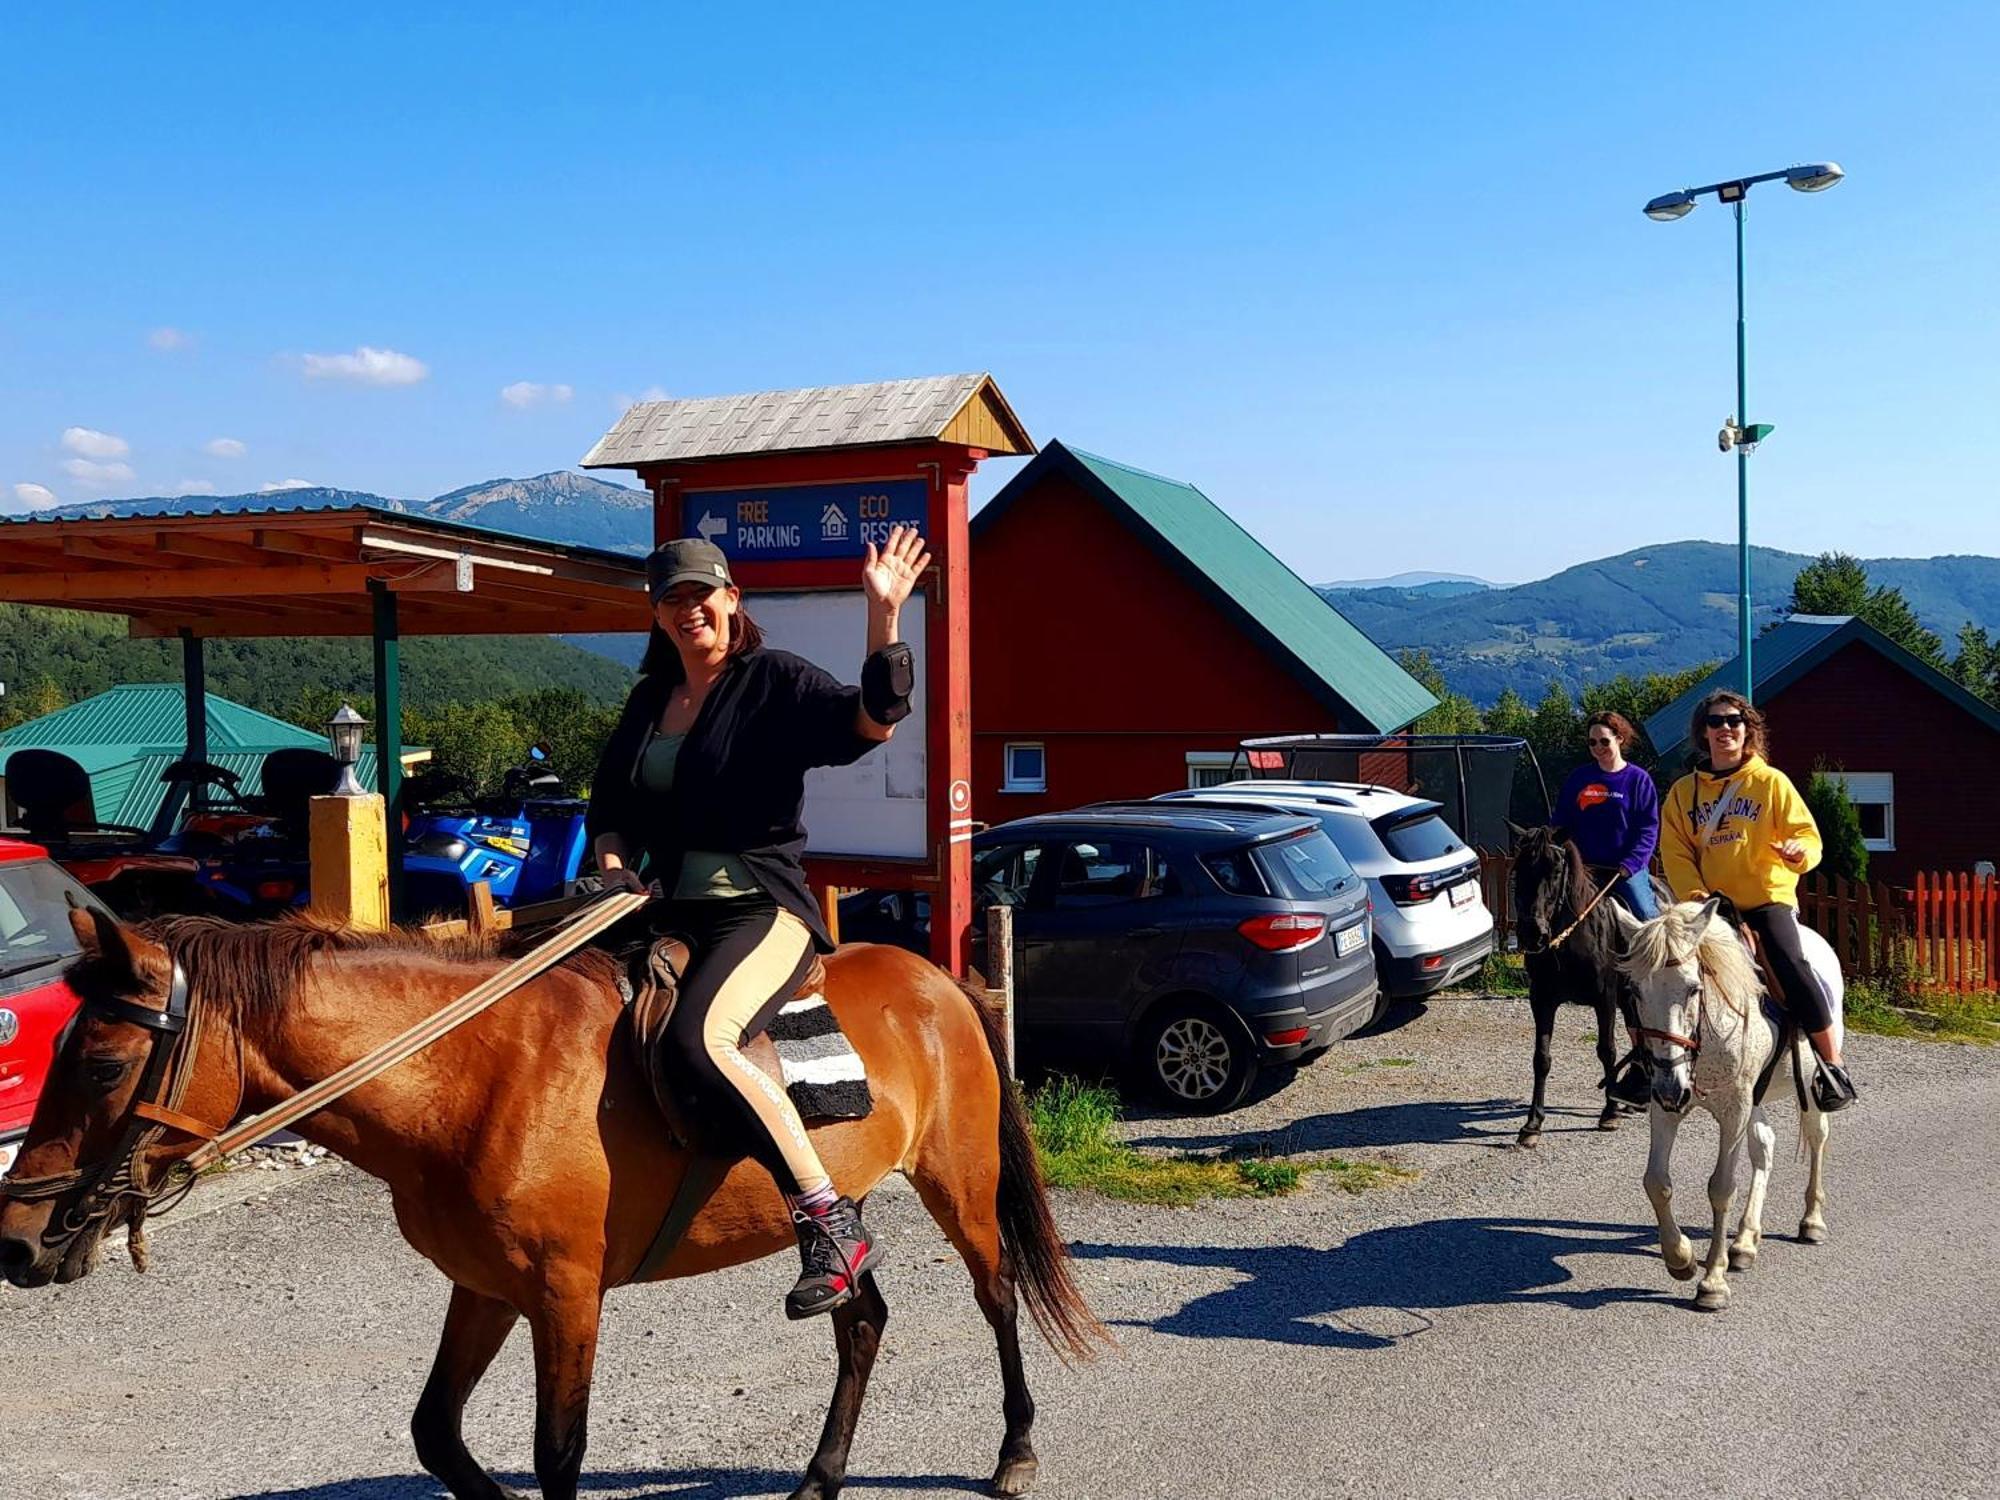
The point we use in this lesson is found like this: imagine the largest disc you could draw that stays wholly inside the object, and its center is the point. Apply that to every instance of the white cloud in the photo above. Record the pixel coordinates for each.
(224, 448)
(525, 393)
(166, 340)
(88, 442)
(195, 487)
(279, 486)
(34, 496)
(622, 402)
(366, 366)
(103, 476)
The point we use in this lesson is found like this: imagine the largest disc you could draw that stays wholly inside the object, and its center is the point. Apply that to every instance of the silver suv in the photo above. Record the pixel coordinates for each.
(1432, 924)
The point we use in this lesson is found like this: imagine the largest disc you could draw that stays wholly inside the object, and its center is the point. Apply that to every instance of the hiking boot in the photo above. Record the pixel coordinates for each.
(835, 1252)
(1631, 1082)
(1832, 1089)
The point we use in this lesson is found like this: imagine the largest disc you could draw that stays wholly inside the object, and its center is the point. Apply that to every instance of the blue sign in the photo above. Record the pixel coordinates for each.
(803, 522)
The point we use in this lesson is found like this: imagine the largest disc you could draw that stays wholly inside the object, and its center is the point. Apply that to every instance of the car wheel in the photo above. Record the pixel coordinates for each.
(1194, 1058)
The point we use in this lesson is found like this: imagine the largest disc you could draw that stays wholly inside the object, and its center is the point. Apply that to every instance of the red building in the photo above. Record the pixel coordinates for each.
(1126, 634)
(1920, 756)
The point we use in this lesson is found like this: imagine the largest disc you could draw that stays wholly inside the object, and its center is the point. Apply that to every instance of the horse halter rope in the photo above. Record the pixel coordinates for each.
(1581, 917)
(174, 1036)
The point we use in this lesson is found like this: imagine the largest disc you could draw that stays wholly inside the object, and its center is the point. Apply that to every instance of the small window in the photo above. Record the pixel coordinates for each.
(1027, 769)
(1306, 868)
(1099, 873)
(1206, 768)
(1002, 875)
(1874, 796)
(1414, 839)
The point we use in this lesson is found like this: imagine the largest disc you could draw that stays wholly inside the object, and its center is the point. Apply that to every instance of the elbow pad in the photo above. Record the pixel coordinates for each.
(887, 679)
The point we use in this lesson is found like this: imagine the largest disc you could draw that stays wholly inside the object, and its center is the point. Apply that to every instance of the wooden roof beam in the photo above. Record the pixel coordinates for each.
(218, 584)
(298, 544)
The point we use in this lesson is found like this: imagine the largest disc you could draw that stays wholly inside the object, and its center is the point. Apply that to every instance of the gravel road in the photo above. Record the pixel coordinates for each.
(1500, 1326)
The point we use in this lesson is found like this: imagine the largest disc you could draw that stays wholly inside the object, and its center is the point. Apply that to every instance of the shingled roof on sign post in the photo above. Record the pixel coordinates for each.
(965, 409)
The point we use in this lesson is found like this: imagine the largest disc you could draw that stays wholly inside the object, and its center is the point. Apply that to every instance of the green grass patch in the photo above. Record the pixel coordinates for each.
(1888, 1008)
(1501, 974)
(1074, 1129)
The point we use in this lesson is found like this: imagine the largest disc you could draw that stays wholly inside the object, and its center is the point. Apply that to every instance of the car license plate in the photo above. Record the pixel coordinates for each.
(1462, 893)
(1348, 939)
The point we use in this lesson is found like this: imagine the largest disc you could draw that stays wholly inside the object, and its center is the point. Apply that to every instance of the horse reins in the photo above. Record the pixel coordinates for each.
(174, 1036)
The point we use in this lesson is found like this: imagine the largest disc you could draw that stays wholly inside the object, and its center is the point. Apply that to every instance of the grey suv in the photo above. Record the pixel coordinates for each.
(1198, 942)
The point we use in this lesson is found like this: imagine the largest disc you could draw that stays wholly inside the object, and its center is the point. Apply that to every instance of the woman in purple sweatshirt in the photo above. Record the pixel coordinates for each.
(1612, 810)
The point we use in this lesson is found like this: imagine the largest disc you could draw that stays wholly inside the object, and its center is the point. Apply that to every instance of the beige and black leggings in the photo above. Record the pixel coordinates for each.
(749, 956)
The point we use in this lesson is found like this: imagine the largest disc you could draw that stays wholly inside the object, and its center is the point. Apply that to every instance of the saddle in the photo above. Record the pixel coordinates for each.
(653, 975)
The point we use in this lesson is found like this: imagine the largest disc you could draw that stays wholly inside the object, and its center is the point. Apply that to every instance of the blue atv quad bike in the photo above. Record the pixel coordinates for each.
(527, 843)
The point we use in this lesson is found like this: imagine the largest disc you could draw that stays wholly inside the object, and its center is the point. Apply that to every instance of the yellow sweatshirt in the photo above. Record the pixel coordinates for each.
(1734, 857)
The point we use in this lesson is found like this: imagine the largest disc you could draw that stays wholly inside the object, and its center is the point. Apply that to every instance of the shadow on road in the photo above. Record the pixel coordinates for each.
(628, 1484)
(1379, 1288)
(1428, 1122)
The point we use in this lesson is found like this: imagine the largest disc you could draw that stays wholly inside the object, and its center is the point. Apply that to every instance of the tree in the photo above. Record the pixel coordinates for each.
(1836, 584)
(1455, 713)
(1509, 714)
(1839, 825)
(1977, 668)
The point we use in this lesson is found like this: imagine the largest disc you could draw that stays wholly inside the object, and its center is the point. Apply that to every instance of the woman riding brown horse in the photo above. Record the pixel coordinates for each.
(523, 1152)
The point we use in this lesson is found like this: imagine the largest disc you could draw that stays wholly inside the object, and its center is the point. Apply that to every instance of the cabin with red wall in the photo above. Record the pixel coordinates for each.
(1919, 754)
(1127, 634)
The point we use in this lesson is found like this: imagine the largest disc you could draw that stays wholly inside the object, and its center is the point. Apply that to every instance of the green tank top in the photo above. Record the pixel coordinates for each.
(704, 876)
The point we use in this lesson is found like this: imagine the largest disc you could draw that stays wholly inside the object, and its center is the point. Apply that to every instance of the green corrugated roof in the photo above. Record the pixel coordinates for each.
(1237, 570)
(131, 793)
(140, 716)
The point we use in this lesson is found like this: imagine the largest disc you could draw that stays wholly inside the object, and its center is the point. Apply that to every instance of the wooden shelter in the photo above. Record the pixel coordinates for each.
(354, 570)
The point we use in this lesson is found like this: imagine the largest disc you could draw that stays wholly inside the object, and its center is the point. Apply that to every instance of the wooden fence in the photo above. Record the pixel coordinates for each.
(1944, 930)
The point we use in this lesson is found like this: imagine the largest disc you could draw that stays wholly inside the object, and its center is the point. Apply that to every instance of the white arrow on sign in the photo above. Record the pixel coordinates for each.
(711, 526)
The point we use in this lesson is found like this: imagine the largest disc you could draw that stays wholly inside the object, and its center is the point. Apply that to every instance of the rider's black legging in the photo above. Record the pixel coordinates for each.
(1777, 929)
(748, 958)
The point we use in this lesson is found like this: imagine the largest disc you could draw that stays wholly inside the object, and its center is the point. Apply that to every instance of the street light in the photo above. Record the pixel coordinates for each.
(1739, 432)
(345, 729)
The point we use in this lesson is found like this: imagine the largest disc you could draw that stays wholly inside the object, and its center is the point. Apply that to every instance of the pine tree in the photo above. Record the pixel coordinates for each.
(1455, 713)
(1846, 854)
(1977, 668)
(1833, 583)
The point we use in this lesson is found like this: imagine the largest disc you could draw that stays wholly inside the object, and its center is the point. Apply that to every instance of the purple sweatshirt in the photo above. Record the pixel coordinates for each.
(1614, 818)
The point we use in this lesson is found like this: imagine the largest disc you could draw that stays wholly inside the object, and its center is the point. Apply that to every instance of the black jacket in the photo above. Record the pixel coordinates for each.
(739, 781)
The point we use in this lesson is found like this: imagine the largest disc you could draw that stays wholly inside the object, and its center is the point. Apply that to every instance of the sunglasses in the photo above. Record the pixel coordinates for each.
(1725, 721)
(1599, 742)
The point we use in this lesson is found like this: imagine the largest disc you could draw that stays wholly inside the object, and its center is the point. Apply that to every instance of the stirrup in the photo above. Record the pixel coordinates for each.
(1631, 1080)
(1832, 1089)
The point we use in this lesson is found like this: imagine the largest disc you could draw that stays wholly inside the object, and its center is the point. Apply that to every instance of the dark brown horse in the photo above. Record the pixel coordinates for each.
(523, 1152)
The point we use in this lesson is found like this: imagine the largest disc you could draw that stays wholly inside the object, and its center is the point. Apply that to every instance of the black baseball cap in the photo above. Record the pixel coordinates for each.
(688, 559)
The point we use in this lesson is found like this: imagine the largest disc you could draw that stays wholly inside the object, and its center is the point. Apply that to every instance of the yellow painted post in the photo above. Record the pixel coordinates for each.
(350, 860)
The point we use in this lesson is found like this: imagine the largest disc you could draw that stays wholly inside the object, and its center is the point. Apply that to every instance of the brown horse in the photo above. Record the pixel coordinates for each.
(523, 1152)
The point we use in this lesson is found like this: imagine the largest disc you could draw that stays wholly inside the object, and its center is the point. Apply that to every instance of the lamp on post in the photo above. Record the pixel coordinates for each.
(1739, 432)
(345, 730)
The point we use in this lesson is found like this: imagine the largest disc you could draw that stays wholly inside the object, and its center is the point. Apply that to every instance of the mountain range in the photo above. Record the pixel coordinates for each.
(1656, 608)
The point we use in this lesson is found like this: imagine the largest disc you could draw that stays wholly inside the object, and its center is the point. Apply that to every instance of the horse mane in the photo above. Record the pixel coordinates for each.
(255, 968)
(1669, 940)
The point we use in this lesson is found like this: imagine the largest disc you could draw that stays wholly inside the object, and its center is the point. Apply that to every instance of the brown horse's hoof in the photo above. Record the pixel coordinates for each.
(1682, 1272)
(1016, 1476)
(1609, 1119)
(1529, 1138)
(1711, 1301)
(1741, 1261)
(1812, 1234)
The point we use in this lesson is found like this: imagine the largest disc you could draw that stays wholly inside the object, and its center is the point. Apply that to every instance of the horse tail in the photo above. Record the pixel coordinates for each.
(1028, 1230)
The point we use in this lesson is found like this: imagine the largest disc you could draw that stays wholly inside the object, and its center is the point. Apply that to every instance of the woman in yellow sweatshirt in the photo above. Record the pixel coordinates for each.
(1735, 826)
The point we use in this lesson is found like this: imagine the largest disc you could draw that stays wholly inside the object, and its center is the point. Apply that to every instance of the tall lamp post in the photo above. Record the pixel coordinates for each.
(1739, 432)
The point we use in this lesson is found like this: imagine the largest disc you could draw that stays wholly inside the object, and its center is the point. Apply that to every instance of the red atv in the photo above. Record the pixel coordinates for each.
(36, 945)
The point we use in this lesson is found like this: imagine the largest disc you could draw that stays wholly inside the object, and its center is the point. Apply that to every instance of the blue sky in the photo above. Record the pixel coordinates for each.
(1374, 277)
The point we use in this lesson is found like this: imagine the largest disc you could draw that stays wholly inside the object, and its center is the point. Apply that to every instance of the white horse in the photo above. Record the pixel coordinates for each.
(1712, 1043)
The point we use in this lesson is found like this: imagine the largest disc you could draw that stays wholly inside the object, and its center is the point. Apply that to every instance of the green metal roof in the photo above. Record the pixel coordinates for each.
(1226, 562)
(134, 718)
(131, 793)
(125, 737)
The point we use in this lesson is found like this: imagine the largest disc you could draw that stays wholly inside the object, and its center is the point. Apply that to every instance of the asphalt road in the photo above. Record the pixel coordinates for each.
(1501, 1326)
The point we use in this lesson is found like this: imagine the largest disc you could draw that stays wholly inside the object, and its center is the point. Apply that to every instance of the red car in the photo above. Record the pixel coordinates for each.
(36, 945)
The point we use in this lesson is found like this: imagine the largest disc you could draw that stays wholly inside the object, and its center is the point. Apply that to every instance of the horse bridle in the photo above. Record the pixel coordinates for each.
(1581, 917)
(174, 1035)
